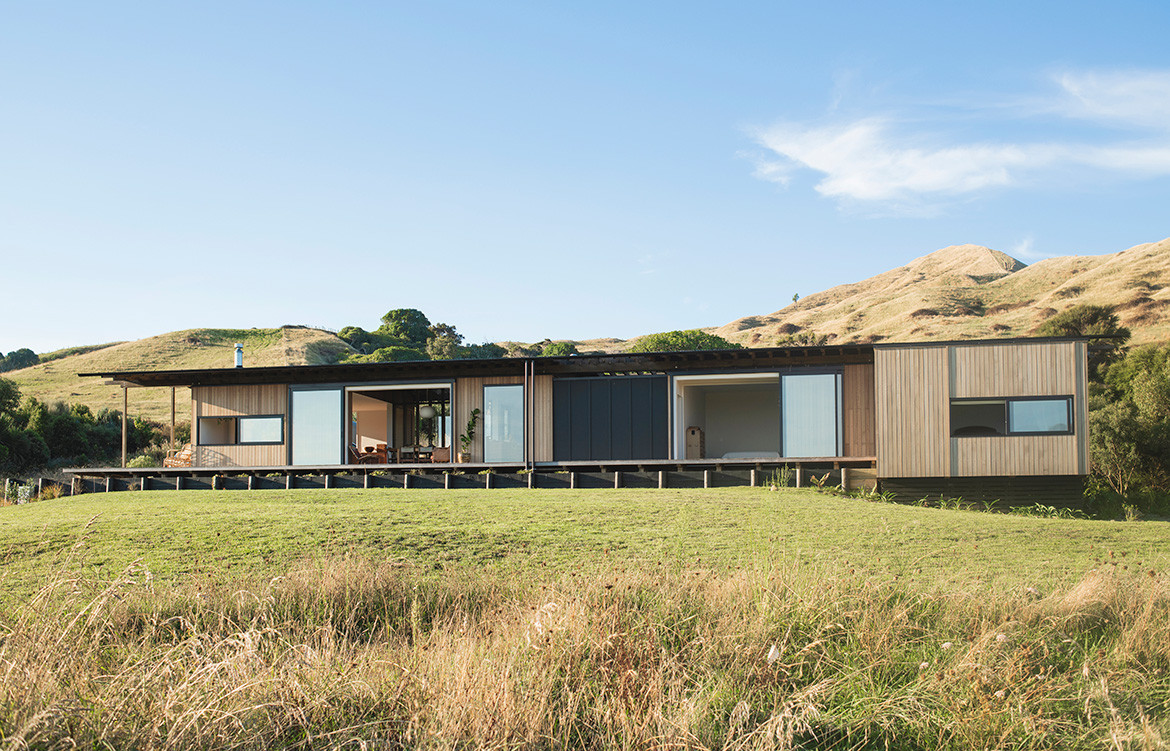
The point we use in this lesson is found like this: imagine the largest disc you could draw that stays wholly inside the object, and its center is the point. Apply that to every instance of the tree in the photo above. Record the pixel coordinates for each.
(485, 351)
(559, 349)
(1090, 320)
(407, 323)
(681, 341)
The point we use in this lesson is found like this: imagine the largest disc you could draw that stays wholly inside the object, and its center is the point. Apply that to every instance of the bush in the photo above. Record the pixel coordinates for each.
(681, 341)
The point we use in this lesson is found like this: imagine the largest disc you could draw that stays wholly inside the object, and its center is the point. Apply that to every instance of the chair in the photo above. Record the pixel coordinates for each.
(180, 458)
(441, 455)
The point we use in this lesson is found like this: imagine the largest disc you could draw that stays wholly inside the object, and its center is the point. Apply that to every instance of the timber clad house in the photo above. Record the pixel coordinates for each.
(992, 419)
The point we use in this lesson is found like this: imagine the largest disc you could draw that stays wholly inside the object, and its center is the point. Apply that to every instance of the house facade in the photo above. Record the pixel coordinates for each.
(1006, 415)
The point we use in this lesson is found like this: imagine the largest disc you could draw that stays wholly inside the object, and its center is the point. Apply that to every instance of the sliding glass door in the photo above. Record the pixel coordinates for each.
(503, 423)
(810, 415)
(317, 426)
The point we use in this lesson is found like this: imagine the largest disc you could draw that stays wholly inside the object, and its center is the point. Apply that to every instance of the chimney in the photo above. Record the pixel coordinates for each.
(239, 355)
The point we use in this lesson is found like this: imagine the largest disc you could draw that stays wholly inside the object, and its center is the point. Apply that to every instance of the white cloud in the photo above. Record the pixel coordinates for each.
(1137, 98)
(879, 160)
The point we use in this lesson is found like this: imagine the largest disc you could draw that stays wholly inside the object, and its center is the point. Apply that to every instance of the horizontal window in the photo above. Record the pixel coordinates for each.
(1047, 415)
(231, 431)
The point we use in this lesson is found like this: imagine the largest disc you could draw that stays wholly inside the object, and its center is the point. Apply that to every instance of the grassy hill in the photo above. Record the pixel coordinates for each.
(724, 618)
(55, 379)
(969, 291)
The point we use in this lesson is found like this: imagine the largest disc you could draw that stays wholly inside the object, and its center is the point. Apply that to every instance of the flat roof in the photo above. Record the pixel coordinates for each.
(751, 358)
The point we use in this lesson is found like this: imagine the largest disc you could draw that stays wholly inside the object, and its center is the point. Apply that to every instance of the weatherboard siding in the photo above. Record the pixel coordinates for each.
(235, 401)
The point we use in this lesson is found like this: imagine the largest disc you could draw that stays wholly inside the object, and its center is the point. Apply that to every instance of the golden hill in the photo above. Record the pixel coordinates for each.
(968, 291)
(56, 380)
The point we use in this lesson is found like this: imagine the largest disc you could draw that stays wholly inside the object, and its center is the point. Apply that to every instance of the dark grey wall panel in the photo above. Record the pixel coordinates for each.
(610, 418)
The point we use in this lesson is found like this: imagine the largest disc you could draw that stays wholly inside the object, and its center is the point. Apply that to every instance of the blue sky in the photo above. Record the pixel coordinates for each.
(564, 170)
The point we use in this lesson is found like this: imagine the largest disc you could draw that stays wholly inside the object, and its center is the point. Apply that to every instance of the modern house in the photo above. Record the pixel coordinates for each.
(977, 418)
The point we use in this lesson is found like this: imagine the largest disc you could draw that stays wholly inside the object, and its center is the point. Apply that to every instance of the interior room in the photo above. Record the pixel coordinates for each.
(400, 424)
(727, 417)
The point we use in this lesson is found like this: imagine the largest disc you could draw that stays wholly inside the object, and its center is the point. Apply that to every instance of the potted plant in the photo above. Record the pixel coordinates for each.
(465, 440)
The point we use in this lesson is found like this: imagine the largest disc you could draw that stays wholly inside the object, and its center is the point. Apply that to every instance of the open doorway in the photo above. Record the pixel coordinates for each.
(399, 424)
(727, 416)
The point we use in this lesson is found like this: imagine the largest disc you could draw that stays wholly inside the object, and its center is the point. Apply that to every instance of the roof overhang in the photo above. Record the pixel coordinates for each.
(760, 358)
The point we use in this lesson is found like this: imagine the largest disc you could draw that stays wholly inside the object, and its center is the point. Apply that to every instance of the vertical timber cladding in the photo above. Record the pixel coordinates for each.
(1021, 369)
(913, 411)
(239, 401)
(858, 404)
(610, 418)
(914, 386)
(469, 396)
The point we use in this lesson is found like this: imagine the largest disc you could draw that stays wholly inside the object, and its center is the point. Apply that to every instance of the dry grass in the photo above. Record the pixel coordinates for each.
(940, 295)
(354, 654)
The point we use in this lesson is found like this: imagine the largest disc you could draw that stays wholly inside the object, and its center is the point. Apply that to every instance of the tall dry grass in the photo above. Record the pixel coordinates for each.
(346, 653)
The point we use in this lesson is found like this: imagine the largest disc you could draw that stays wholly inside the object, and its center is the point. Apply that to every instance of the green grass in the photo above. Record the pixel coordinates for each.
(177, 534)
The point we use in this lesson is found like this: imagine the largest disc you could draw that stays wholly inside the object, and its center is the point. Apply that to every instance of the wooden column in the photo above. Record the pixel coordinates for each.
(172, 418)
(125, 406)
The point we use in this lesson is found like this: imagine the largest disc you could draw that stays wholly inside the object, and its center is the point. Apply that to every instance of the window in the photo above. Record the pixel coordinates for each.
(267, 429)
(231, 431)
(1050, 415)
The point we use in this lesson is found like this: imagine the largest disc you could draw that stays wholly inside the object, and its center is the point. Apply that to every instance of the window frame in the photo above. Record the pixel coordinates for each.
(1007, 401)
(235, 430)
(259, 417)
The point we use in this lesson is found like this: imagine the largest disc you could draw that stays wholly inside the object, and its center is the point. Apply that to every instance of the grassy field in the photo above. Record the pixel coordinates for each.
(732, 618)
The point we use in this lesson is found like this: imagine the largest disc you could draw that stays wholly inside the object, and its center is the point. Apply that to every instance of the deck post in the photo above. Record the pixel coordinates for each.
(328, 480)
(845, 479)
(799, 476)
(572, 480)
(251, 477)
(405, 480)
(72, 487)
(125, 407)
(107, 483)
(531, 480)
(446, 481)
(706, 478)
(146, 482)
(40, 486)
(487, 480)
(172, 418)
(215, 482)
(617, 479)
(178, 482)
(366, 480)
(288, 481)
(661, 479)
(753, 480)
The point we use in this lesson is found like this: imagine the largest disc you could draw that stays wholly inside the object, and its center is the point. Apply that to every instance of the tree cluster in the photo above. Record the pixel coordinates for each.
(681, 341)
(407, 334)
(21, 358)
(35, 435)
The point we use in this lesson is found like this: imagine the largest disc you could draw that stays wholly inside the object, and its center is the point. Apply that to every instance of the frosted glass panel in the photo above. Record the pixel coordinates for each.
(1039, 416)
(261, 429)
(316, 427)
(810, 419)
(503, 423)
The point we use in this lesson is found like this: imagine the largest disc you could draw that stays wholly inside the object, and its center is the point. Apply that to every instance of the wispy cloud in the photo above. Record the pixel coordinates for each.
(902, 162)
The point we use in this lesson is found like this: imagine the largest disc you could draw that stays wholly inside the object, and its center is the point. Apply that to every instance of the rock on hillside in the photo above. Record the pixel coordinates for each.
(966, 291)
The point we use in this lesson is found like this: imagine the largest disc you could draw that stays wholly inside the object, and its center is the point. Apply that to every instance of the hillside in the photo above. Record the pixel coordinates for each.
(56, 380)
(968, 291)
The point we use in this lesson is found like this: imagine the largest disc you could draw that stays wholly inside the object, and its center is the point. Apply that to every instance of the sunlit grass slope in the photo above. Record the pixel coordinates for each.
(57, 379)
